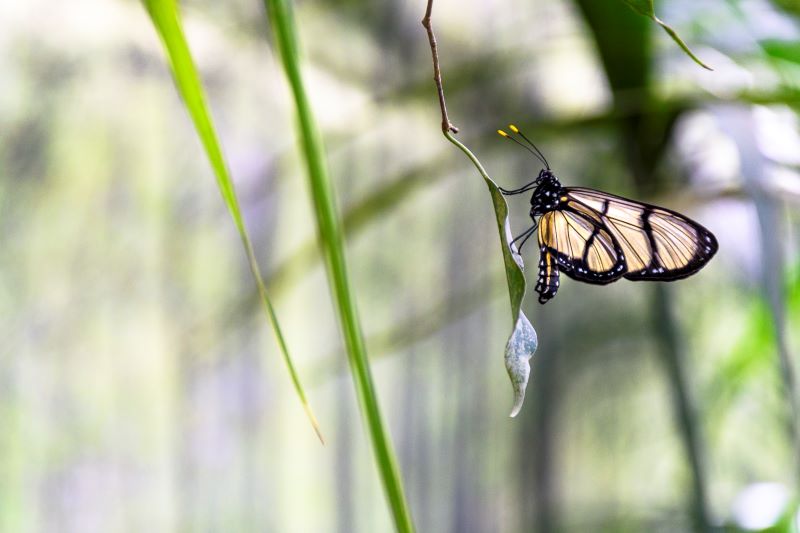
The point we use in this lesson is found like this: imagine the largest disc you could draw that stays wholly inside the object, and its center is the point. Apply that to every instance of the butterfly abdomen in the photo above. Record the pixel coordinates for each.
(547, 284)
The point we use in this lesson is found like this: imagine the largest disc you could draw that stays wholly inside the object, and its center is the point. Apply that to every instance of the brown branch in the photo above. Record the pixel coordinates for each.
(437, 73)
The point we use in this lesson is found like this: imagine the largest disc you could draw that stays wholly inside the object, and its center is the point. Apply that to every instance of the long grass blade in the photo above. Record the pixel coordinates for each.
(332, 243)
(165, 17)
(647, 9)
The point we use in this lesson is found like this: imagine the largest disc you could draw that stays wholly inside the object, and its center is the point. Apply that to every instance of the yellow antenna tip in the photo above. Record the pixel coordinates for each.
(501, 132)
(513, 128)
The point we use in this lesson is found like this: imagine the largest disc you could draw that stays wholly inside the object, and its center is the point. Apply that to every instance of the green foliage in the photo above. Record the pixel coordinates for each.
(790, 6)
(624, 46)
(142, 324)
(782, 49)
(165, 17)
(646, 8)
(332, 242)
(750, 356)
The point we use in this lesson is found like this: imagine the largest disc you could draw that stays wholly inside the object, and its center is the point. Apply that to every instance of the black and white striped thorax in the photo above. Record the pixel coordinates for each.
(547, 196)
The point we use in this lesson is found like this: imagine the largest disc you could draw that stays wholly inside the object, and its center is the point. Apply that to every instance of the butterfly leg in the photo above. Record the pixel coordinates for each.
(521, 190)
(525, 235)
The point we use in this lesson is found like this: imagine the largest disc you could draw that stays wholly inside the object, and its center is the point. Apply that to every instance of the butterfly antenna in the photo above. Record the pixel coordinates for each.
(535, 154)
(541, 155)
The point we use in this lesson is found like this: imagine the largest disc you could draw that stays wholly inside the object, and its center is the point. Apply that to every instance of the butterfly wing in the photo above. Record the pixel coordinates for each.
(658, 244)
(575, 241)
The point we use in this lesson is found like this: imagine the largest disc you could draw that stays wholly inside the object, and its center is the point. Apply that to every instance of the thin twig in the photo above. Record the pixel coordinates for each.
(437, 74)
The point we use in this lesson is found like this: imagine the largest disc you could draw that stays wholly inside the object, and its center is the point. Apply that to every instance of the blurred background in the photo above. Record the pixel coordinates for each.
(142, 390)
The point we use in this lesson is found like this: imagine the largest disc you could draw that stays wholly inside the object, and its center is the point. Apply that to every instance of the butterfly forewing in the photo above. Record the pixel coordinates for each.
(658, 244)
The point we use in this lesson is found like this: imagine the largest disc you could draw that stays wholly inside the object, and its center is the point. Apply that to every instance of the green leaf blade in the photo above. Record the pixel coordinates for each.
(522, 342)
(646, 8)
(675, 37)
(643, 7)
(165, 18)
(331, 236)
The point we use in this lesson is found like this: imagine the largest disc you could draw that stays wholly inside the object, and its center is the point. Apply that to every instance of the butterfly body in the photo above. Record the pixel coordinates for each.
(598, 238)
(547, 194)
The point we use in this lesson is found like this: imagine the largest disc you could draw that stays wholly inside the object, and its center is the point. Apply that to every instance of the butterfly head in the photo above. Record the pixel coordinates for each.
(547, 195)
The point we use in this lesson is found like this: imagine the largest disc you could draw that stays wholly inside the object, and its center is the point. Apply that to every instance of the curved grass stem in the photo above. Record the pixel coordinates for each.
(166, 19)
(331, 238)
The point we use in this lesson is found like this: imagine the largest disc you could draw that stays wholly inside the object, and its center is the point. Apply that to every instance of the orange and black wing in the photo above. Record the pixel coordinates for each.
(658, 244)
(575, 241)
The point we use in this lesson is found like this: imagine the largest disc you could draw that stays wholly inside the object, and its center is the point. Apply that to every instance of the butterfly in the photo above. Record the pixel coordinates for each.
(597, 237)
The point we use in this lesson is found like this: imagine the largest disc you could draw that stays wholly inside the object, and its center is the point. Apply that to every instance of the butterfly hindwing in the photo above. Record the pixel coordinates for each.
(581, 246)
(658, 244)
